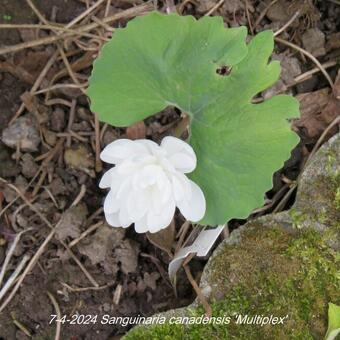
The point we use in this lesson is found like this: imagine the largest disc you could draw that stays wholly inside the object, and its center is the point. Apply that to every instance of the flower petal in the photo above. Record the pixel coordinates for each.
(111, 203)
(193, 209)
(147, 183)
(137, 204)
(141, 226)
(121, 149)
(181, 187)
(112, 219)
(183, 162)
(147, 176)
(157, 222)
(152, 146)
(105, 181)
(179, 153)
(124, 217)
(124, 189)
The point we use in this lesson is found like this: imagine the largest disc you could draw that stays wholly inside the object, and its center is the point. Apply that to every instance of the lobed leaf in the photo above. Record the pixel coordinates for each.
(160, 60)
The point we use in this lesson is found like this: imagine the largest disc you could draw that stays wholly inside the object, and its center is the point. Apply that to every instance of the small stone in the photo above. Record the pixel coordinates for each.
(84, 114)
(50, 137)
(234, 6)
(106, 307)
(290, 68)
(333, 41)
(278, 12)
(79, 157)
(58, 120)
(205, 5)
(314, 42)
(28, 165)
(23, 133)
(57, 187)
(22, 220)
(82, 126)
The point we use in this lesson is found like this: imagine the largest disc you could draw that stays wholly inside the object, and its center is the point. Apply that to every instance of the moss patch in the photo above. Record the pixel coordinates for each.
(295, 275)
(335, 178)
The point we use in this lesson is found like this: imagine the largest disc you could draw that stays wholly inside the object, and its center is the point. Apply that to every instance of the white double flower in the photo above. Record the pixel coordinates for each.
(148, 182)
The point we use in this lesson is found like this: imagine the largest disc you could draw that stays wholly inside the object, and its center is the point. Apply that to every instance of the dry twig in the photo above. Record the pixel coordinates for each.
(51, 27)
(43, 218)
(248, 18)
(201, 297)
(57, 310)
(99, 165)
(29, 267)
(14, 276)
(304, 76)
(214, 8)
(80, 196)
(264, 12)
(37, 83)
(17, 323)
(85, 233)
(287, 24)
(84, 289)
(9, 255)
(309, 55)
(131, 12)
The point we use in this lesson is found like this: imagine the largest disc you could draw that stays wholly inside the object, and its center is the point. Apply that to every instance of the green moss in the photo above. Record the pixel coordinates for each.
(335, 177)
(336, 185)
(7, 17)
(297, 217)
(294, 275)
(337, 199)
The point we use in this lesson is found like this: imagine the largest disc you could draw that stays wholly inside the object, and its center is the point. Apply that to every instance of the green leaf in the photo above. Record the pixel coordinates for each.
(161, 60)
(333, 321)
